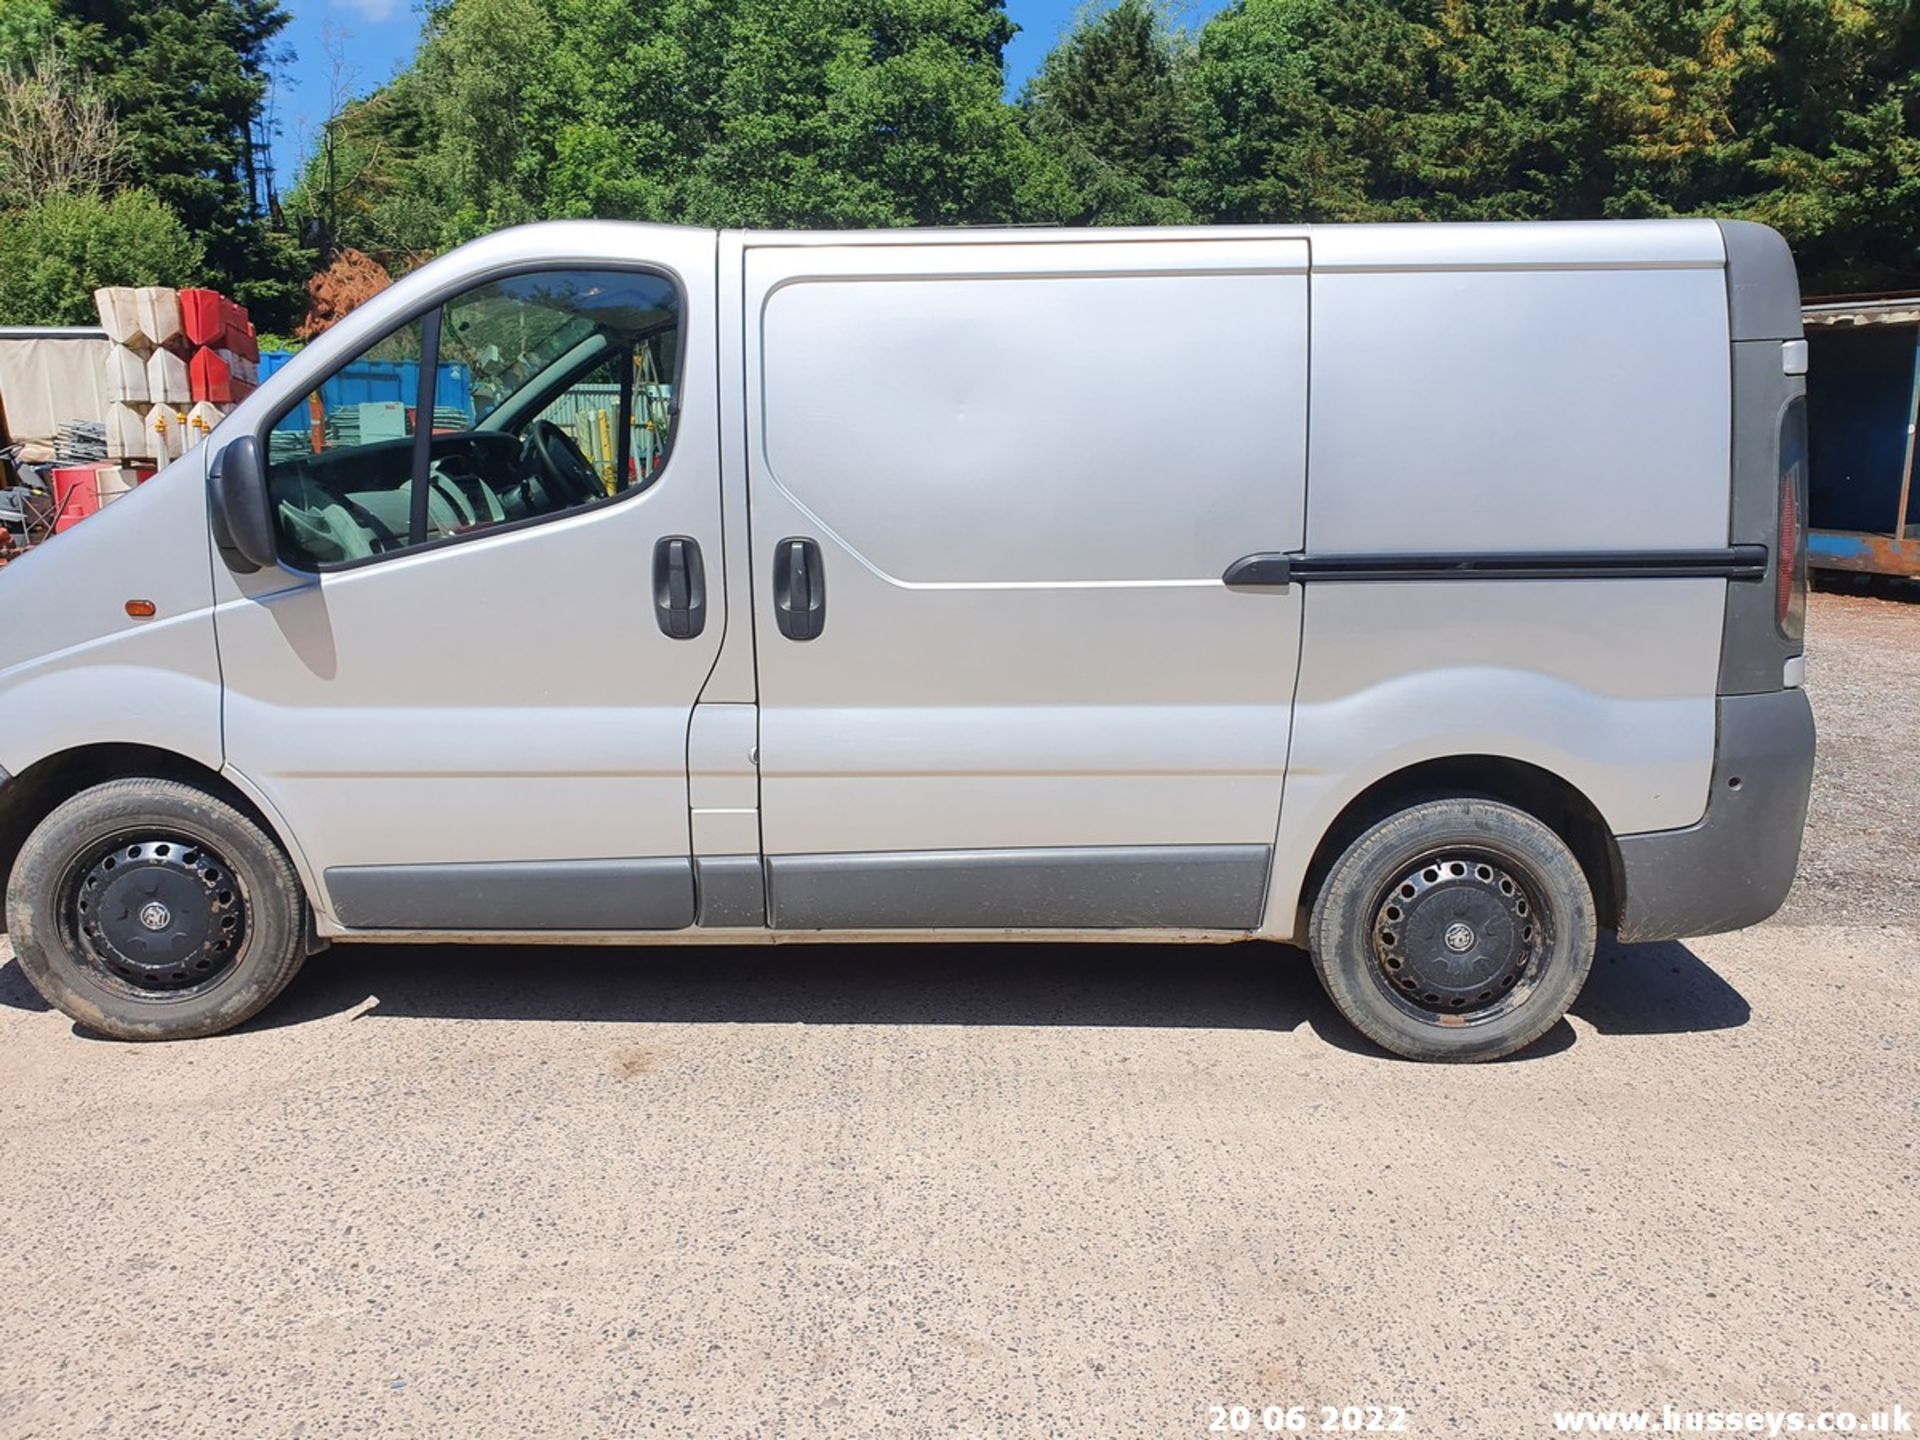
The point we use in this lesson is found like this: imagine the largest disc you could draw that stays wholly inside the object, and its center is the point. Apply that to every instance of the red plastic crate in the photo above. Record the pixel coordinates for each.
(210, 377)
(233, 325)
(202, 317)
(76, 495)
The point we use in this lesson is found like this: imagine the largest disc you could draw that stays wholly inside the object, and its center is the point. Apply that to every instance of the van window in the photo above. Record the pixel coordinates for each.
(324, 515)
(538, 394)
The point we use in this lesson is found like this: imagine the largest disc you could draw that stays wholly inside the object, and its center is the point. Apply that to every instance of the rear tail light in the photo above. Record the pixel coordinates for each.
(1789, 543)
(1790, 600)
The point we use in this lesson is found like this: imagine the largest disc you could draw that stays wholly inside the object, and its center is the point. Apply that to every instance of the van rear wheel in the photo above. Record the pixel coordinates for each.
(1455, 930)
(150, 910)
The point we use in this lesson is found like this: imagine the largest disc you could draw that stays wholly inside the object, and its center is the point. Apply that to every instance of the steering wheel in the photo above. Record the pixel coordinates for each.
(564, 464)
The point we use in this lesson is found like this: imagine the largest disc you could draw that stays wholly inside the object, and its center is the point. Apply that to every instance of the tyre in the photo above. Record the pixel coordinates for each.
(1454, 930)
(149, 910)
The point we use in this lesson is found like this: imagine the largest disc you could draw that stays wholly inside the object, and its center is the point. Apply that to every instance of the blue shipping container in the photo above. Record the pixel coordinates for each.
(379, 381)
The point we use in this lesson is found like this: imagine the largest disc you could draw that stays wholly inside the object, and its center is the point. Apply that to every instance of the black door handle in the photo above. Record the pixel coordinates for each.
(799, 589)
(679, 587)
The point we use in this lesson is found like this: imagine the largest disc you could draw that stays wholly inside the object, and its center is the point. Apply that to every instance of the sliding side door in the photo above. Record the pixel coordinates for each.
(994, 488)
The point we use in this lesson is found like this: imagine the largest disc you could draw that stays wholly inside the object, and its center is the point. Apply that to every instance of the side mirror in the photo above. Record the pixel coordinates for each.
(242, 514)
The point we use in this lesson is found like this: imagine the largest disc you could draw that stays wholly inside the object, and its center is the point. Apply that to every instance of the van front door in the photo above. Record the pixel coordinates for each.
(994, 488)
(467, 688)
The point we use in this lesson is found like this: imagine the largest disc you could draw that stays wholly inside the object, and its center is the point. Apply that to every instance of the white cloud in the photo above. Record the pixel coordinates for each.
(378, 11)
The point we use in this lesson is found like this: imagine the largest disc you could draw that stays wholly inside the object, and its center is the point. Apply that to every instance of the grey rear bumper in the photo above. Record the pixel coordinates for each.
(1734, 867)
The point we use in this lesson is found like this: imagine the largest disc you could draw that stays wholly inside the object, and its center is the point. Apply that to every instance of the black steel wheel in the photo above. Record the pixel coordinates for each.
(1455, 930)
(162, 915)
(1458, 939)
(152, 910)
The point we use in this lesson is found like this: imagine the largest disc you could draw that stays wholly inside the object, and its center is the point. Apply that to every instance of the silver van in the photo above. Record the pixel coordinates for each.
(1429, 597)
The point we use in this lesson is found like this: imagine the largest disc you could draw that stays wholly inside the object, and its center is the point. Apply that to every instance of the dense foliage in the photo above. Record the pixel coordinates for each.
(722, 112)
(1801, 113)
(181, 85)
(54, 254)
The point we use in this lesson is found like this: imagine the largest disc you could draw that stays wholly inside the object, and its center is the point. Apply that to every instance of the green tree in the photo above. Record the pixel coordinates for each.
(786, 112)
(186, 81)
(1109, 107)
(1800, 113)
(1804, 114)
(366, 185)
(1393, 109)
(28, 28)
(53, 255)
(725, 112)
(481, 73)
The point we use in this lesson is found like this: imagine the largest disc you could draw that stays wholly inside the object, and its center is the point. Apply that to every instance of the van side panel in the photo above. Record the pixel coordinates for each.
(1542, 390)
(76, 670)
(1488, 410)
(1565, 675)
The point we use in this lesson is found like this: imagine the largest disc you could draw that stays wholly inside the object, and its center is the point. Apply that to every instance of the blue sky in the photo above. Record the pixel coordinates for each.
(373, 38)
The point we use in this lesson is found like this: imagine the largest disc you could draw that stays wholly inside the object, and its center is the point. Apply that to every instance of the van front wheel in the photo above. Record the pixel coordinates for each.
(1455, 930)
(149, 910)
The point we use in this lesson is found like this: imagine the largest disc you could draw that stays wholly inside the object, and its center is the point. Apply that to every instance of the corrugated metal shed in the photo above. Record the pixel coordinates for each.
(1852, 311)
(1863, 399)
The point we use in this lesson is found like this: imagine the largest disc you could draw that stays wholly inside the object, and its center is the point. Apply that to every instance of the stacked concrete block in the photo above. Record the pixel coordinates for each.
(167, 380)
(126, 376)
(158, 307)
(142, 373)
(127, 433)
(167, 432)
(128, 390)
(180, 359)
(202, 418)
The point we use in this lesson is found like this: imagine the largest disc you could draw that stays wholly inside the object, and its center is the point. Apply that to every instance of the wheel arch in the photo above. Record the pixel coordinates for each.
(33, 794)
(1549, 798)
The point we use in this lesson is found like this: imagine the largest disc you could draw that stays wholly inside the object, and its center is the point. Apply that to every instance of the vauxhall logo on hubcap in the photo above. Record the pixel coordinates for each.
(1459, 937)
(155, 916)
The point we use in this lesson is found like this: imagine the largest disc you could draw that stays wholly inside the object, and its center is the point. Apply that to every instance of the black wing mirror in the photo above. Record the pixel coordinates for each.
(242, 514)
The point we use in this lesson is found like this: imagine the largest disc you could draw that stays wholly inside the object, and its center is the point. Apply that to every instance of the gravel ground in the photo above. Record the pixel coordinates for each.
(1035, 1191)
(1861, 860)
